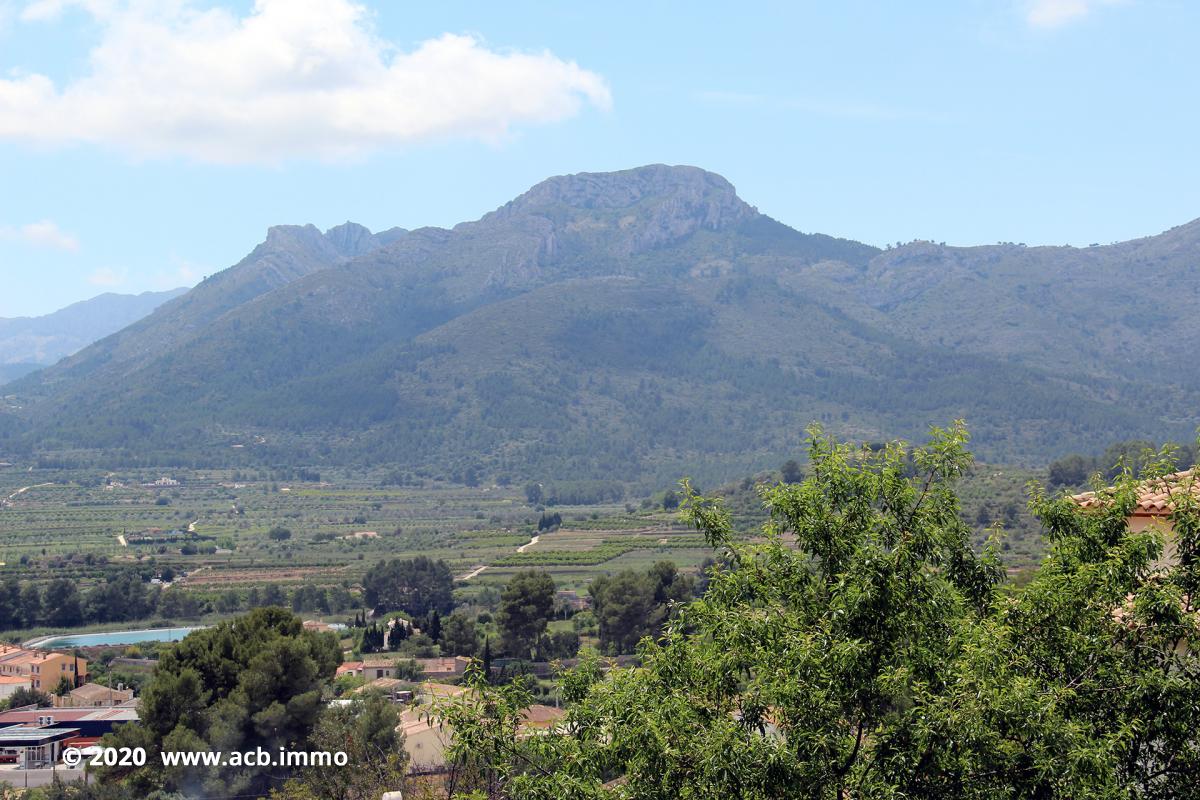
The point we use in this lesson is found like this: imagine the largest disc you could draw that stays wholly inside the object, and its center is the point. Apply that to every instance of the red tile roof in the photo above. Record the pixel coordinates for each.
(1154, 497)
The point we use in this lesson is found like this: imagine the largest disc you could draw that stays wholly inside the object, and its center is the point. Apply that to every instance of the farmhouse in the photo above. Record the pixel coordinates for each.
(93, 695)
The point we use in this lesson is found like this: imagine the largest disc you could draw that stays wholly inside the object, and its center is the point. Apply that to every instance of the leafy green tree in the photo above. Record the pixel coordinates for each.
(526, 608)
(10, 604)
(279, 533)
(415, 586)
(273, 595)
(459, 637)
(28, 697)
(30, 605)
(365, 730)
(631, 605)
(863, 650)
(255, 681)
(61, 604)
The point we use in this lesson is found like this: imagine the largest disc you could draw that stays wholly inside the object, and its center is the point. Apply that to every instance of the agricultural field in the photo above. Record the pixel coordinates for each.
(218, 530)
(213, 530)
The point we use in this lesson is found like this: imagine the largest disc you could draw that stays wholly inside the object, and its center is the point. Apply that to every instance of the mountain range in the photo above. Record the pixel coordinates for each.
(633, 325)
(30, 343)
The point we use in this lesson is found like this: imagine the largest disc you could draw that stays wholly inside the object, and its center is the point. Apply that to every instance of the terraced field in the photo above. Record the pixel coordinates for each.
(214, 528)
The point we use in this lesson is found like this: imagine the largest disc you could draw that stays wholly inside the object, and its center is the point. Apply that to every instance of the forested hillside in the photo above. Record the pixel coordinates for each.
(630, 325)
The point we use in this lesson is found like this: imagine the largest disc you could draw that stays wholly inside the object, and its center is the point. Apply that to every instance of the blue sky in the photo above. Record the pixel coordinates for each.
(146, 144)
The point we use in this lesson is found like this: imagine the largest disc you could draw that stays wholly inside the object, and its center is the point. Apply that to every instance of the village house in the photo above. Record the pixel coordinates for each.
(1154, 505)
(425, 740)
(44, 668)
(443, 668)
(433, 668)
(93, 695)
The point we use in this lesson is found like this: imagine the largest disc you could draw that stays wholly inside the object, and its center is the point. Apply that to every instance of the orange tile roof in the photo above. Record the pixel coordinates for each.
(1154, 497)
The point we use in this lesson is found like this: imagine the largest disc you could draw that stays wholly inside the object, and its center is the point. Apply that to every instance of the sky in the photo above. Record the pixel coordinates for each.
(145, 144)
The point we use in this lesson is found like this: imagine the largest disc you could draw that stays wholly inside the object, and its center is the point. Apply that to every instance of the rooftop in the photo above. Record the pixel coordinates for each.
(1154, 496)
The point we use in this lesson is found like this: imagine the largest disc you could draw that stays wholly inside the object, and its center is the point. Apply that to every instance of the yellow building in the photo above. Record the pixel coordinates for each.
(44, 668)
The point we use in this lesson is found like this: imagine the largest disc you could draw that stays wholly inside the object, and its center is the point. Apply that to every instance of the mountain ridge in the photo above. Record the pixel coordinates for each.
(627, 324)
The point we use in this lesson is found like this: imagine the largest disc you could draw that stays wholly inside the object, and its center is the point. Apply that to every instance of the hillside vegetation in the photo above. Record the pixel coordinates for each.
(632, 326)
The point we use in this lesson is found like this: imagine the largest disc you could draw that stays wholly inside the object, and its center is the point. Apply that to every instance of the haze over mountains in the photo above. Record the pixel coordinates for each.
(632, 325)
(29, 343)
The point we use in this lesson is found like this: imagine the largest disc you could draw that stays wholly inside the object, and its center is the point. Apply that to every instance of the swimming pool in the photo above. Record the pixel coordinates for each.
(111, 638)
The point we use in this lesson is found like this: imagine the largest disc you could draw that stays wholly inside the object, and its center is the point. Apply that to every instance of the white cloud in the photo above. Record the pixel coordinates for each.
(107, 277)
(1055, 13)
(293, 78)
(45, 234)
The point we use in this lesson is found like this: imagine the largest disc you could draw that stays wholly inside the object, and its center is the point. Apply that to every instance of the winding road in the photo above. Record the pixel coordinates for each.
(25, 489)
(475, 573)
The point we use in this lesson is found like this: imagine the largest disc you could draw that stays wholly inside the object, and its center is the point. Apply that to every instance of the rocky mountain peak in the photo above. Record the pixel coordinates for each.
(351, 239)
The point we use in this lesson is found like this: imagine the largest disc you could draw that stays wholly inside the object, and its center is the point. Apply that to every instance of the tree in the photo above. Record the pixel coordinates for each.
(10, 604)
(631, 605)
(435, 626)
(273, 595)
(864, 650)
(526, 608)
(62, 606)
(415, 586)
(279, 533)
(365, 730)
(533, 493)
(255, 681)
(459, 637)
(64, 687)
(28, 697)
(791, 472)
(31, 605)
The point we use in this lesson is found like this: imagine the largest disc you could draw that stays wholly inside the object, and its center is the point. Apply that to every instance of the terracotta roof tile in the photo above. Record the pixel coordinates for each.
(1154, 497)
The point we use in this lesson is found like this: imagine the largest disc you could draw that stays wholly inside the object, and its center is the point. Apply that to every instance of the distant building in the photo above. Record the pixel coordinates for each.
(11, 683)
(44, 668)
(371, 669)
(90, 721)
(426, 740)
(572, 600)
(442, 668)
(93, 695)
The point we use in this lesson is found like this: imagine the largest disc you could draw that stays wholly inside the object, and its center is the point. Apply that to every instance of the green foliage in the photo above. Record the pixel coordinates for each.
(1076, 470)
(365, 730)
(630, 606)
(253, 682)
(863, 650)
(459, 635)
(28, 697)
(416, 586)
(526, 607)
